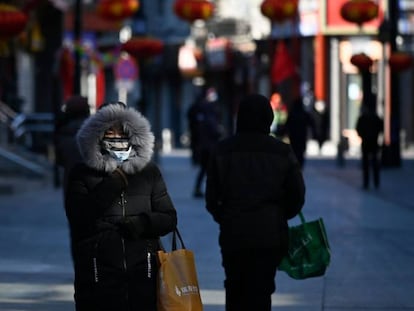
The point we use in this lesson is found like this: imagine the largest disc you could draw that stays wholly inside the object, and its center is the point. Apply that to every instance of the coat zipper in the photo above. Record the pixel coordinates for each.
(123, 201)
(95, 265)
(149, 264)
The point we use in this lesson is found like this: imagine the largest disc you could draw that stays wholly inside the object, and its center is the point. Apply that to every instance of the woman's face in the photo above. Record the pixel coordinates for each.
(114, 132)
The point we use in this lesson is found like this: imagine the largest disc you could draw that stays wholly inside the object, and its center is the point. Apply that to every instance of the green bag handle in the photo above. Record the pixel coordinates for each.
(302, 218)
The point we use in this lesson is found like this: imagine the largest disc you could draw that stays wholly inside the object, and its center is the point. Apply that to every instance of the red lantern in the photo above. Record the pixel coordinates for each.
(279, 10)
(191, 10)
(117, 9)
(362, 61)
(359, 11)
(400, 61)
(12, 21)
(141, 47)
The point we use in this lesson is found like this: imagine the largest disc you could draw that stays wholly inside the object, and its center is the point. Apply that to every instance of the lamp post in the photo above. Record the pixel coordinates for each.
(391, 153)
(77, 33)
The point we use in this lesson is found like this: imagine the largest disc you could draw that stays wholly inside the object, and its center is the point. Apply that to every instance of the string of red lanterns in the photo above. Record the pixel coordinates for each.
(191, 10)
(400, 61)
(279, 11)
(143, 47)
(362, 61)
(359, 11)
(12, 21)
(117, 9)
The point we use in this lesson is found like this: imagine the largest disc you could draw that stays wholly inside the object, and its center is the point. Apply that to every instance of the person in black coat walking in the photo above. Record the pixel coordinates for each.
(205, 131)
(369, 126)
(118, 207)
(298, 123)
(75, 111)
(254, 185)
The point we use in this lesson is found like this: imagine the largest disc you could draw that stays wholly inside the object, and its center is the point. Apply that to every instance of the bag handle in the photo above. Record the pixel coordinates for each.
(176, 234)
(302, 218)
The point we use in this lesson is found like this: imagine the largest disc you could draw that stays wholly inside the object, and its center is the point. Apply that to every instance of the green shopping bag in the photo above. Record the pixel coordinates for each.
(309, 252)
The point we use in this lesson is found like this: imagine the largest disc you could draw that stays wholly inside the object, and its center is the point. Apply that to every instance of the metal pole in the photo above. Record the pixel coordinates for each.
(77, 34)
(391, 155)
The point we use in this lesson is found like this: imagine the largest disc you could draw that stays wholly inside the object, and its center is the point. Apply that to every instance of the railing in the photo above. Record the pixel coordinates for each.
(18, 129)
(33, 122)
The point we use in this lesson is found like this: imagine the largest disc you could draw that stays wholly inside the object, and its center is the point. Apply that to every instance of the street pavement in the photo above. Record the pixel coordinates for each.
(371, 234)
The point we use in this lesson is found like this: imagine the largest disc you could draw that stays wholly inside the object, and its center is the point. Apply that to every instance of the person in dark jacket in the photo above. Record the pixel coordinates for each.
(75, 111)
(369, 126)
(254, 185)
(205, 130)
(298, 122)
(118, 207)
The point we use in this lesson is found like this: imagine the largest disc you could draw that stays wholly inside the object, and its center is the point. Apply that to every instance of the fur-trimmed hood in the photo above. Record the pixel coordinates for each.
(134, 124)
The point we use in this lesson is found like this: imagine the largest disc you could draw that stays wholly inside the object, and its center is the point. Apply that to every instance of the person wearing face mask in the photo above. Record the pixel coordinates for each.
(118, 207)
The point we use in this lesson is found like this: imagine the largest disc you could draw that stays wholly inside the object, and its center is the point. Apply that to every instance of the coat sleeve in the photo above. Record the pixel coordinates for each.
(294, 198)
(213, 201)
(85, 202)
(163, 216)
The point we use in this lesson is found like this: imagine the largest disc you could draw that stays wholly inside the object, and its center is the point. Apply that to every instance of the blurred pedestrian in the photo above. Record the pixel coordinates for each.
(117, 206)
(369, 127)
(298, 123)
(279, 115)
(74, 112)
(254, 185)
(205, 129)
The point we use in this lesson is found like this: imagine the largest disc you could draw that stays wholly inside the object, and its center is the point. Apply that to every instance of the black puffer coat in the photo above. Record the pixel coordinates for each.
(254, 183)
(116, 219)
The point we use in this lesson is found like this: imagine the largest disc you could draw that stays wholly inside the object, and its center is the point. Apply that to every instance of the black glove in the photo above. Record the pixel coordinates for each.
(133, 226)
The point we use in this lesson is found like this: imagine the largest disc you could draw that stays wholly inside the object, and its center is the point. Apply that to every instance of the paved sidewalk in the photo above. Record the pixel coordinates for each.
(371, 235)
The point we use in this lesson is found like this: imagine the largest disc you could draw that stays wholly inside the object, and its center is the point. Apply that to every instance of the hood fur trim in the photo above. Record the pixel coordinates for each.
(135, 125)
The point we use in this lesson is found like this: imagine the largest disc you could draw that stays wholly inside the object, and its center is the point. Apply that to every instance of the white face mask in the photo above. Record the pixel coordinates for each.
(120, 155)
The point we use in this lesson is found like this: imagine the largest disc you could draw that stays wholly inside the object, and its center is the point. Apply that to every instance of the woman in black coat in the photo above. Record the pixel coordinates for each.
(117, 206)
(254, 185)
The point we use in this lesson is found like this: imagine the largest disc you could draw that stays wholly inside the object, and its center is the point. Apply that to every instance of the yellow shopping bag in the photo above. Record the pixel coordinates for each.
(178, 288)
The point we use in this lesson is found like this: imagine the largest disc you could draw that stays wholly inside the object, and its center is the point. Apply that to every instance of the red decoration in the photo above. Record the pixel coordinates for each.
(12, 21)
(191, 10)
(142, 47)
(283, 65)
(359, 11)
(279, 11)
(362, 61)
(117, 9)
(400, 61)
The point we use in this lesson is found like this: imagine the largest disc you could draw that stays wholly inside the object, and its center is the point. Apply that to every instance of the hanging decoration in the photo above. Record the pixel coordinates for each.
(117, 9)
(143, 47)
(279, 11)
(12, 21)
(283, 65)
(362, 61)
(191, 10)
(359, 11)
(400, 61)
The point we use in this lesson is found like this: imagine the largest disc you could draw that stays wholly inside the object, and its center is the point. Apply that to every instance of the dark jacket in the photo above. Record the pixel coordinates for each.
(67, 151)
(203, 119)
(116, 217)
(254, 182)
(369, 126)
